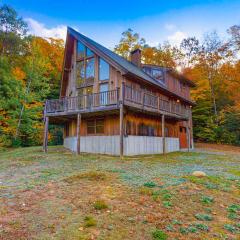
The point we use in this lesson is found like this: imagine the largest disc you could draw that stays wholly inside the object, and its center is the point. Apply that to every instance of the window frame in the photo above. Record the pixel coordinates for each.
(84, 59)
(104, 80)
(96, 125)
(162, 80)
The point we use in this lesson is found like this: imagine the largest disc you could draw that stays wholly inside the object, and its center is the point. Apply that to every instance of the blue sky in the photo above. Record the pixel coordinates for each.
(104, 21)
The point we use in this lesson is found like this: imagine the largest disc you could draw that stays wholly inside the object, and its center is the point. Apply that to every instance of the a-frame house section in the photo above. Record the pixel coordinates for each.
(113, 106)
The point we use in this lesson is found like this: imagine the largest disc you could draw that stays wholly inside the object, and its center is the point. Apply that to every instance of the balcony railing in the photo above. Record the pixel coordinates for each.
(143, 99)
(136, 98)
(83, 102)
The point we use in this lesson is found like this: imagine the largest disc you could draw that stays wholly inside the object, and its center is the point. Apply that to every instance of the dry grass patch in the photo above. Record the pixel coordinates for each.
(91, 176)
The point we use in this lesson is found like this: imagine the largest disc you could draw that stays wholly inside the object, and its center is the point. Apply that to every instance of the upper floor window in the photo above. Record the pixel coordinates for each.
(83, 51)
(80, 50)
(103, 70)
(156, 73)
(85, 67)
(90, 64)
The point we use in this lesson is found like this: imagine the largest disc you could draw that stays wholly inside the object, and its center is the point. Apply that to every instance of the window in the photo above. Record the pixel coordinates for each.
(89, 53)
(99, 126)
(104, 94)
(80, 50)
(90, 70)
(103, 70)
(91, 126)
(158, 74)
(95, 126)
(80, 73)
(104, 87)
(147, 70)
(85, 69)
(146, 130)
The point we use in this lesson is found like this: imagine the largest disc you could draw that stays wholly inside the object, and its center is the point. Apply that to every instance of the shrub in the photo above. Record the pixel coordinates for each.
(192, 229)
(203, 217)
(176, 222)
(89, 221)
(234, 208)
(159, 235)
(183, 230)
(207, 199)
(233, 216)
(201, 226)
(150, 184)
(230, 228)
(167, 204)
(100, 204)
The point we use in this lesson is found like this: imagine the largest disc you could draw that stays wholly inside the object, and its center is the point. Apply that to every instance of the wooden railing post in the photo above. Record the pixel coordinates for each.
(163, 134)
(78, 132)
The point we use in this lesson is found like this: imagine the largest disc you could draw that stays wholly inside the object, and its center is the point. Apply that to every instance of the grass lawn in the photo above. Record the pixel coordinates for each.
(63, 196)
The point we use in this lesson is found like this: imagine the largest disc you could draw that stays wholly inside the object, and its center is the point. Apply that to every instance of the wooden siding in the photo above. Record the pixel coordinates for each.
(111, 125)
(178, 87)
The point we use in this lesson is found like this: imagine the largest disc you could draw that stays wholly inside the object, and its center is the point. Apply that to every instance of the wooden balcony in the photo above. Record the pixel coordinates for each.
(110, 100)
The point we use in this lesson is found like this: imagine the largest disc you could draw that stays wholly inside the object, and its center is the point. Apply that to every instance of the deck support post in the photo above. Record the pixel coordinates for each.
(45, 137)
(121, 120)
(163, 134)
(188, 139)
(78, 132)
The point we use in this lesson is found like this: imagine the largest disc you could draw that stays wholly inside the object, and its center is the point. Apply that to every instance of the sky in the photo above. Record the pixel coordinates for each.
(104, 21)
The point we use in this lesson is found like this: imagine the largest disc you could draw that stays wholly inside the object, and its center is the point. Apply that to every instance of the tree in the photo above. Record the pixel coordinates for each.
(190, 47)
(12, 32)
(234, 31)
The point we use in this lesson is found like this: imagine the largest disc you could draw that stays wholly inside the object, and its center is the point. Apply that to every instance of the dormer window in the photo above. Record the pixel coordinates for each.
(156, 73)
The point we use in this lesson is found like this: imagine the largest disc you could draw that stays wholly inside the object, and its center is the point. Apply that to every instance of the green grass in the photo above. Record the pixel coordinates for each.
(121, 198)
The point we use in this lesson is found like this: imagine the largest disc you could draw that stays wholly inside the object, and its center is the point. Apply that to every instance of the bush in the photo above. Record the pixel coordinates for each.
(150, 184)
(89, 221)
(100, 204)
(207, 199)
(201, 226)
(159, 235)
(203, 217)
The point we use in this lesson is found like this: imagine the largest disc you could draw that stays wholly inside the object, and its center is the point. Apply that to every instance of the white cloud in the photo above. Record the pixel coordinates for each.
(169, 26)
(176, 37)
(39, 29)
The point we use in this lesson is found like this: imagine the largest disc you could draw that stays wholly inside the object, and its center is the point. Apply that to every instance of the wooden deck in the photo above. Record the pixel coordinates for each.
(110, 100)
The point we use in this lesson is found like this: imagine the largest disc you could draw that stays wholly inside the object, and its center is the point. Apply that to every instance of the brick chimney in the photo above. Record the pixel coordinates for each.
(136, 57)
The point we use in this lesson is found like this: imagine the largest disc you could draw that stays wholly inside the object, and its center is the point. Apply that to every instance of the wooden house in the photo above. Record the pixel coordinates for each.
(113, 106)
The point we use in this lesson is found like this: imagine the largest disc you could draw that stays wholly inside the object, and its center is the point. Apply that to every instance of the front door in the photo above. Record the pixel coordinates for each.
(183, 137)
